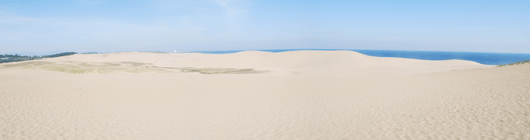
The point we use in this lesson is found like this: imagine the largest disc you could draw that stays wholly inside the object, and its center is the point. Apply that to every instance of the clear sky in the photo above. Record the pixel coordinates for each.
(45, 26)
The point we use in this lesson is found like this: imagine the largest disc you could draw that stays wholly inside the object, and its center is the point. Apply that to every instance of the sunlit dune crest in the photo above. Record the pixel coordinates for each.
(346, 62)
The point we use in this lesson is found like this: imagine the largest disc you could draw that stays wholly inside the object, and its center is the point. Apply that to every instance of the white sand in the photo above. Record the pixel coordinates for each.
(306, 95)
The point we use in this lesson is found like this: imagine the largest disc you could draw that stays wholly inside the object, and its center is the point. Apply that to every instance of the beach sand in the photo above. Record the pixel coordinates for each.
(259, 95)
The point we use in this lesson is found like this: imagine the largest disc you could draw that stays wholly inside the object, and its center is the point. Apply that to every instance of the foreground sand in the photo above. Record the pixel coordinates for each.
(302, 95)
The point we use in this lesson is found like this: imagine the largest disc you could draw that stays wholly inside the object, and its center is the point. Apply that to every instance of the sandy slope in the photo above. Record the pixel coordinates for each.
(306, 95)
(308, 61)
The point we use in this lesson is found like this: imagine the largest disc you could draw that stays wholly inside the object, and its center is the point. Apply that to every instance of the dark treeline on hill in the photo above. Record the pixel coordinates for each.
(6, 58)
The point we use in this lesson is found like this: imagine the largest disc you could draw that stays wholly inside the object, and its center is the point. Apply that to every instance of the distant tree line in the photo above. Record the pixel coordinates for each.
(6, 58)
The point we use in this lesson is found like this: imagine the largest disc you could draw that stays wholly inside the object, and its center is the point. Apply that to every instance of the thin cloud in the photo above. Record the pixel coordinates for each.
(226, 5)
(89, 33)
(91, 1)
(234, 10)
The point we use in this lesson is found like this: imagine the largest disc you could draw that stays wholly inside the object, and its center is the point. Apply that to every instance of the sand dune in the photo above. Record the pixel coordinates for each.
(304, 95)
(292, 61)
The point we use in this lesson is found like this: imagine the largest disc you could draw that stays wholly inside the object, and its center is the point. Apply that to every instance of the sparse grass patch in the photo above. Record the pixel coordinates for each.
(516, 63)
(48, 66)
(128, 67)
(25, 64)
(82, 68)
(219, 70)
(66, 68)
(136, 64)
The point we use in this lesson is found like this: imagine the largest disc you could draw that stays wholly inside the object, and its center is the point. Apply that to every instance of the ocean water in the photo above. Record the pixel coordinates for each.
(482, 58)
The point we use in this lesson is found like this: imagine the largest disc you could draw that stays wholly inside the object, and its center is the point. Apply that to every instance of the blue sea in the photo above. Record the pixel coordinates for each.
(482, 58)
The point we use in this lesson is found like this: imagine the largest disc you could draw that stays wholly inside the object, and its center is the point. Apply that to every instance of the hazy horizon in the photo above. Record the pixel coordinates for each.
(234, 51)
(44, 27)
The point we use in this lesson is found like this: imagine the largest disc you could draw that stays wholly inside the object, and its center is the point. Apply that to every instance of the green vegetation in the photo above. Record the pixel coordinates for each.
(516, 63)
(25, 64)
(6, 58)
(125, 66)
(66, 68)
(106, 67)
(82, 68)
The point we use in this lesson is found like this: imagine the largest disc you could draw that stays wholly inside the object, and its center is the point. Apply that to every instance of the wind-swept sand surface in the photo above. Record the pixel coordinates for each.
(259, 95)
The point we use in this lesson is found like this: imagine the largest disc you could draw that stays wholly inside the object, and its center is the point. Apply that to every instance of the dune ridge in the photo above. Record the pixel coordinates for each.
(345, 62)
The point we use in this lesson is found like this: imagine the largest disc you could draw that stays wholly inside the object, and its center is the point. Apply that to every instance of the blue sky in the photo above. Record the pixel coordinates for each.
(46, 26)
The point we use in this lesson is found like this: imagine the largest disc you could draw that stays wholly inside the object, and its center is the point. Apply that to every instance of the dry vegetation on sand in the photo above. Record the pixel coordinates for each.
(125, 66)
(516, 63)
